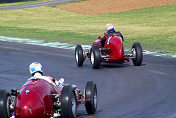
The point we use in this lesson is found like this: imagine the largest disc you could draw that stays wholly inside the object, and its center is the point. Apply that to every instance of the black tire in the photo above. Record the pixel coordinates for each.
(68, 102)
(95, 57)
(5, 101)
(91, 96)
(137, 53)
(79, 57)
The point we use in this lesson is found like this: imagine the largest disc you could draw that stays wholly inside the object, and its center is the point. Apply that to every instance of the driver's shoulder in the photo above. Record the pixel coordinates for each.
(46, 78)
(39, 77)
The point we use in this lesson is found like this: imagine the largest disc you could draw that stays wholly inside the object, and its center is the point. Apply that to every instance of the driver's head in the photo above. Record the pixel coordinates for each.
(109, 28)
(35, 67)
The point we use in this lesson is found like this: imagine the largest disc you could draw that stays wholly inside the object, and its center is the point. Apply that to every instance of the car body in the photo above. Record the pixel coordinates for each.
(111, 52)
(39, 98)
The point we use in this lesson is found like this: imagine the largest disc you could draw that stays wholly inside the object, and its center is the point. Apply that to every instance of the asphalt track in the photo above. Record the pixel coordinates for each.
(124, 91)
(37, 4)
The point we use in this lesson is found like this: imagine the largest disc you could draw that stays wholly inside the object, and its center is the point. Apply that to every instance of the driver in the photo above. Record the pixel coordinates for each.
(36, 71)
(109, 32)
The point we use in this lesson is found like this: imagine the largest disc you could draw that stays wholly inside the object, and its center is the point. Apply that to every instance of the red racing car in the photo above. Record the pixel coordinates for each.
(111, 52)
(38, 98)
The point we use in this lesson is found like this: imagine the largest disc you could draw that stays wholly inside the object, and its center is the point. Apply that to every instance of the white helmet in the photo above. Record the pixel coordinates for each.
(35, 67)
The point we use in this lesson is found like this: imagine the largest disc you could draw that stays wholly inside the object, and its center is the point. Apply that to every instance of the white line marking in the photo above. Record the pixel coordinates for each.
(71, 46)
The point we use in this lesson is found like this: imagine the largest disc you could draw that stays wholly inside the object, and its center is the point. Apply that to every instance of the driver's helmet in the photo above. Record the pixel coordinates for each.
(109, 27)
(35, 67)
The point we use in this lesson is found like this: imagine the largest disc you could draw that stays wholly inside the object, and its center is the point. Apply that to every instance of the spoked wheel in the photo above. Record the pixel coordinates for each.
(137, 53)
(79, 57)
(91, 96)
(5, 102)
(95, 57)
(68, 102)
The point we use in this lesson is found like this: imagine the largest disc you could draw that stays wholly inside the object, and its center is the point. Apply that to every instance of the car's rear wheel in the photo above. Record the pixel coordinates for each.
(79, 57)
(95, 57)
(137, 54)
(5, 102)
(91, 96)
(68, 102)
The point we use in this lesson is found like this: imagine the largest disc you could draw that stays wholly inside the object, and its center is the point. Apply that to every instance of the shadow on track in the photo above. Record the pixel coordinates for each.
(116, 65)
(83, 114)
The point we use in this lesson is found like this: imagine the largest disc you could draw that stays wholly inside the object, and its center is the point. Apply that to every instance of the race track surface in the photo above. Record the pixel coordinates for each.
(124, 91)
(37, 4)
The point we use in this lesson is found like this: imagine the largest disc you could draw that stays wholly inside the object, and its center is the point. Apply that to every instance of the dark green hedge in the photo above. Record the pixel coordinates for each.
(10, 1)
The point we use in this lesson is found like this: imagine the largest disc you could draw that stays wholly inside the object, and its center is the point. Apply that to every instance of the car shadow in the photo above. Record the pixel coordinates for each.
(114, 65)
(117, 65)
(83, 113)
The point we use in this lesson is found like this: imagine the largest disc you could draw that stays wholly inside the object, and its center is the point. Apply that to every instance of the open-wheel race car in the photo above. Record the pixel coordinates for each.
(39, 98)
(111, 52)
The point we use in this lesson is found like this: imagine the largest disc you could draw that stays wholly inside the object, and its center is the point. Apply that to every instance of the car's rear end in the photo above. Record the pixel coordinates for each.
(114, 49)
(34, 100)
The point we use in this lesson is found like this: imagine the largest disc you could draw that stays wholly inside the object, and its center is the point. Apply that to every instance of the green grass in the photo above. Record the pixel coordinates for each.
(19, 3)
(154, 27)
(52, 35)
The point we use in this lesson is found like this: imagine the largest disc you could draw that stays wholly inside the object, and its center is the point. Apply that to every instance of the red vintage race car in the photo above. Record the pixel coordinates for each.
(38, 98)
(111, 52)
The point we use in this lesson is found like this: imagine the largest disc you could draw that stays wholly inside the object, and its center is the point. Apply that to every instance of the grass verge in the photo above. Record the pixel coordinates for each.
(154, 27)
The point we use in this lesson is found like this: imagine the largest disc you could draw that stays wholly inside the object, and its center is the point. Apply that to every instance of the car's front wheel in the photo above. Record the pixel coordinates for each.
(79, 57)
